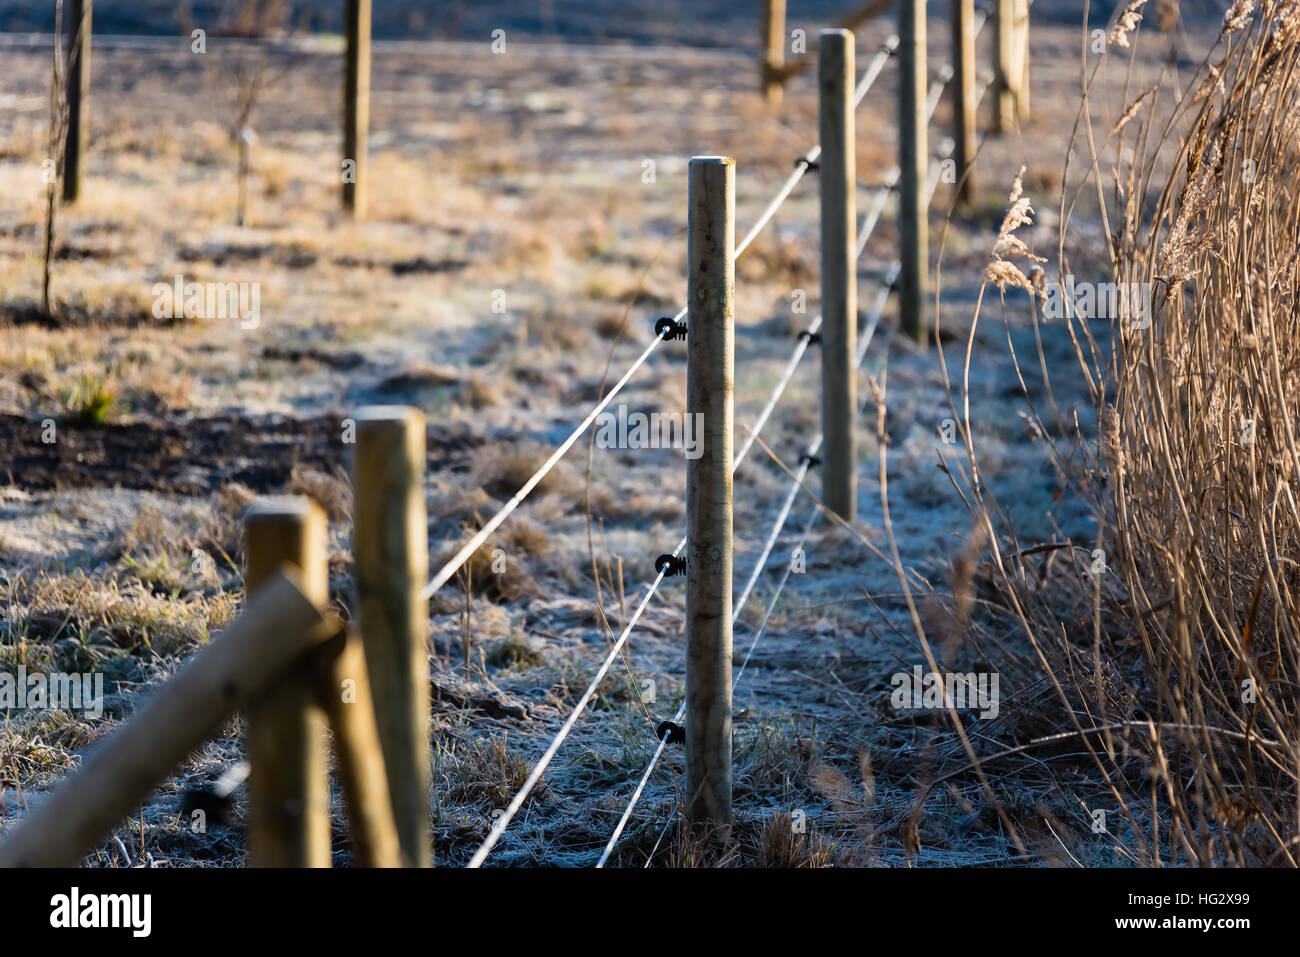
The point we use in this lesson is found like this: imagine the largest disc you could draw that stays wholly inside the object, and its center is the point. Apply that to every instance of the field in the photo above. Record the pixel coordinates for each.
(524, 227)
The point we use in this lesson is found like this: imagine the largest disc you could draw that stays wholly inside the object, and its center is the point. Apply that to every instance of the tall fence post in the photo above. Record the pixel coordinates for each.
(390, 547)
(1005, 78)
(356, 105)
(835, 80)
(913, 160)
(964, 129)
(710, 298)
(77, 62)
(773, 55)
(288, 789)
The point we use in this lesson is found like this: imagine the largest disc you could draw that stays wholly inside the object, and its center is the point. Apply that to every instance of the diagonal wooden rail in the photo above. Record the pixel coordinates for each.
(279, 627)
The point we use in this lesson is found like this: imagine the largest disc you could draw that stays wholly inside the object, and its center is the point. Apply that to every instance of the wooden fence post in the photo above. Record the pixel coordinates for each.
(77, 65)
(288, 789)
(710, 297)
(356, 105)
(773, 55)
(390, 547)
(913, 162)
(964, 129)
(1005, 78)
(835, 81)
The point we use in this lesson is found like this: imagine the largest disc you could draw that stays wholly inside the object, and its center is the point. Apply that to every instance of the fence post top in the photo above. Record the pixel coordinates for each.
(271, 507)
(834, 33)
(712, 161)
(387, 413)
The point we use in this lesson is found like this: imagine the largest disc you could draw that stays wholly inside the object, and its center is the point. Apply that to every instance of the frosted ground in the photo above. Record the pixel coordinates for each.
(523, 174)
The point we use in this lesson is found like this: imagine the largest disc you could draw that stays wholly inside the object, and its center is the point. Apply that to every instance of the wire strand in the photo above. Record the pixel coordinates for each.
(874, 67)
(503, 820)
(450, 568)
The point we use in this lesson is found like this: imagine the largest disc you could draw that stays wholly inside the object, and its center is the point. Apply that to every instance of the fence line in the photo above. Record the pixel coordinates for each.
(805, 162)
(935, 93)
(887, 286)
(802, 166)
(285, 621)
(759, 566)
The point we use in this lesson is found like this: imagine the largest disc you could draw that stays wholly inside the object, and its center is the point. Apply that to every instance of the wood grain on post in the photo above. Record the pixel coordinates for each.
(356, 102)
(77, 60)
(913, 162)
(279, 625)
(344, 693)
(390, 548)
(288, 786)
(964, 129)
(835, 81)
(773, 29)
(1005, 76)
(711, 290)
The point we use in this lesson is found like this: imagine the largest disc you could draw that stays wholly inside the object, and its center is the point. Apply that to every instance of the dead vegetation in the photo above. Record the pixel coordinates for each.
(1170, 642)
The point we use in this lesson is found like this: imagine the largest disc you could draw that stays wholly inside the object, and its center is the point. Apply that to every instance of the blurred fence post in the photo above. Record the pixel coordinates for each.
(773, 52)
(1005, 79)
(835, 82)
(913, 162)
(77, 66)
(288, 789)
(390, 549)
(710, 298)
(356, 105)
(1022, 49)
(964, 129)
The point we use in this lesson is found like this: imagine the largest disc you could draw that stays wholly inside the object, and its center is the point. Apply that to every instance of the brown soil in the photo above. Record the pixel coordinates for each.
(190, 457)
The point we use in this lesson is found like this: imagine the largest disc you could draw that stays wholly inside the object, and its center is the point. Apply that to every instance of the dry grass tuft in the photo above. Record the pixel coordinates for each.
(501, 472)
(333, 493)
(488, 773)
(783, 842)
